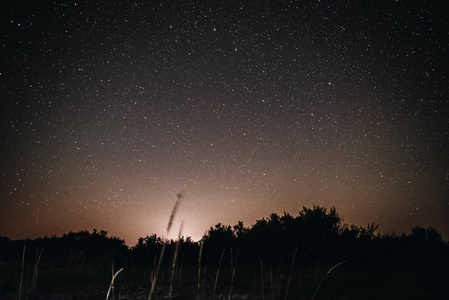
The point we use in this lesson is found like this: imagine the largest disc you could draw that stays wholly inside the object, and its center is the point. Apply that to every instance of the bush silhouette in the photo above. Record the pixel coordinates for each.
(314, 240)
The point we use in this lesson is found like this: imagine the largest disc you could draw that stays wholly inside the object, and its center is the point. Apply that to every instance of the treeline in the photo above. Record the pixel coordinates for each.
(74, 247)
(314, 234)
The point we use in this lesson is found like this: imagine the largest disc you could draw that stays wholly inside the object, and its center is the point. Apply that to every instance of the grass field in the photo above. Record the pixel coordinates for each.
(224, 280)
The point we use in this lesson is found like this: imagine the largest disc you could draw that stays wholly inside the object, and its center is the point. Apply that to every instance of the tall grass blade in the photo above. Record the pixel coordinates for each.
(233, 273)
(153, 281)
(36, 269)
(111, 286)
(328, 272)
(199, 270)
(173, 212)
(21, 274)
(174, 262)
(170, 222)
(216, 275)
(290, 273)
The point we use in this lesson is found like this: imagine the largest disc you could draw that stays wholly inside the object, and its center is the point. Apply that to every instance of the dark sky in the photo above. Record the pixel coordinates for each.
(112, 108)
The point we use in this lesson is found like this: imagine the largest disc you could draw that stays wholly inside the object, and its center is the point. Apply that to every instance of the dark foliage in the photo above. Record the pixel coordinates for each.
(95, 247)
(320, 234)
(316, 232)
(315, 237)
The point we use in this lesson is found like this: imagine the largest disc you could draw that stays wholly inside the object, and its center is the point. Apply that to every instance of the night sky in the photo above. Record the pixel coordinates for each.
(112, 108)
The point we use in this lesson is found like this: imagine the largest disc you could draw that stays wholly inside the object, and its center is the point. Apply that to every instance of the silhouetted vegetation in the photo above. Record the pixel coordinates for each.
(278, 257)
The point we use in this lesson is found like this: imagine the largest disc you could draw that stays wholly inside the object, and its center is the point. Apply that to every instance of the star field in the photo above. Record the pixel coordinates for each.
(111, 108)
